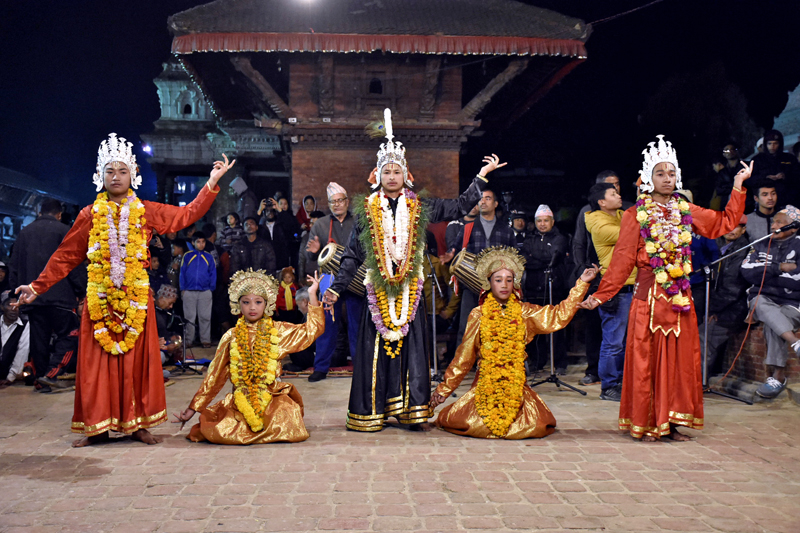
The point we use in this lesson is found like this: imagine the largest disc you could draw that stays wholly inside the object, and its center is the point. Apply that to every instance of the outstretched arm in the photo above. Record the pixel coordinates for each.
(442, 209)
(218, 374)
(170, 218)
(70, 253)
(462, 362)
(550, 318)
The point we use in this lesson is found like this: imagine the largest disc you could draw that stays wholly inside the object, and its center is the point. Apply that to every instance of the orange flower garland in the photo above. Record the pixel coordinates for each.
(120, 307)
(498, 393)
(375, 218)
(253, 369)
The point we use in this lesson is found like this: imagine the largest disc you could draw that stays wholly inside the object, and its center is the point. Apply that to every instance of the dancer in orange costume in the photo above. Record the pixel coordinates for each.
(662, 380)
(120, 384)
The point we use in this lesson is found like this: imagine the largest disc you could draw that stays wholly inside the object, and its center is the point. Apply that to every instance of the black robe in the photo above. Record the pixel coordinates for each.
(399, 387)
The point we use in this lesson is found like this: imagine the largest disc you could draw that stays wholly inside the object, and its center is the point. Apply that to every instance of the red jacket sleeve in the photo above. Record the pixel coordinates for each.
(70, 253)
(168, 218)
(713, 224)
(624, 258)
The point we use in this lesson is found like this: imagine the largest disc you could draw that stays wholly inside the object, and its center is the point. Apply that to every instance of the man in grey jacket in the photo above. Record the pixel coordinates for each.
(335, 228)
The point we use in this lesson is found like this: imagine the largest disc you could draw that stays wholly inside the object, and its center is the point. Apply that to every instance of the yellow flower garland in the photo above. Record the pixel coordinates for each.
(383, 305)
(498, 393)
(253, 369)
(105, 301)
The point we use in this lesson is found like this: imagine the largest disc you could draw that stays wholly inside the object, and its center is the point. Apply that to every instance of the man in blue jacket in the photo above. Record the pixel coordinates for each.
(198, 279)
(778, 304)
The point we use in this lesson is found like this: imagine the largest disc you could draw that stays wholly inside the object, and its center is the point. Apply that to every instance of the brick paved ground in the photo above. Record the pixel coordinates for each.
(742, 474)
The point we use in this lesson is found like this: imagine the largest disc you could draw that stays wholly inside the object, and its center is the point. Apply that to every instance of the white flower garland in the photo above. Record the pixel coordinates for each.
(396, 235)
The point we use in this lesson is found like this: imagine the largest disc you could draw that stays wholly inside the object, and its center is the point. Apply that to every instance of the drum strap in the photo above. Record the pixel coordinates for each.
(467, 234)
(330, 233)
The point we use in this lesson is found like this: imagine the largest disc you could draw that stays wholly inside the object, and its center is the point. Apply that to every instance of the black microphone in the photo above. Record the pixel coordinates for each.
(553, 260)
(787, 227)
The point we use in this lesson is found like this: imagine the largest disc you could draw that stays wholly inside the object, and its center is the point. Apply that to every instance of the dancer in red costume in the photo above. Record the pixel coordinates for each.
(662, 381)
(120, 385)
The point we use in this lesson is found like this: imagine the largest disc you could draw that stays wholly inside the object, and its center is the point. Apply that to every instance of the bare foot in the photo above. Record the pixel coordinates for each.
(91, 441)
(649, 438)
(425, 426)
(142, 435)
(678, 437)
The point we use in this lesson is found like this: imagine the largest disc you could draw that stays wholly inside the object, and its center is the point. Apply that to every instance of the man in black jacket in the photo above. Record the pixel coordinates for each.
(546, 250)
(727, 307)
(776, 166)
(51, 313)
(252, 251)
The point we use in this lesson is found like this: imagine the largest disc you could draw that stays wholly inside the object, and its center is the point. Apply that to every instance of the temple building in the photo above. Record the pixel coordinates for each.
(291, 85)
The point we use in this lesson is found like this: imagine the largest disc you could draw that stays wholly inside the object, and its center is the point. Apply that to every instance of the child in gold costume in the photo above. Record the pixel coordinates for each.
(500, 404)
(261, 408)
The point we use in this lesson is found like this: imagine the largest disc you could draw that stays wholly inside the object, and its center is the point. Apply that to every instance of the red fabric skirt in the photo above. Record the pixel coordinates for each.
(122, 393)
(662, 381)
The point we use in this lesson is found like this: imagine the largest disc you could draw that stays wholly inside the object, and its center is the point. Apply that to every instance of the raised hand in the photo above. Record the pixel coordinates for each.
(313, 245)
(313, 288)
(328, 299)
(26, 295)
(589, 303)
(218, 170)
(492, 163)
(436, 400)
(590, 273)
(184, 416)
(743, 174)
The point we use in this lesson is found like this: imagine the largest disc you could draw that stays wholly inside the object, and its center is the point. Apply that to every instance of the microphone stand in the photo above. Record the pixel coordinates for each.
(553, 377)
(435, 377)
(707, 273)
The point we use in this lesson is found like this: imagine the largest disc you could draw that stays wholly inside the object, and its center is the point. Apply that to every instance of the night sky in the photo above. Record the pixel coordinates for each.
(74, 71)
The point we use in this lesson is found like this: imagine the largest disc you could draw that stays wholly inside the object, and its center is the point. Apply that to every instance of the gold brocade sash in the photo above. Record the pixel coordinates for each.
(662, 317)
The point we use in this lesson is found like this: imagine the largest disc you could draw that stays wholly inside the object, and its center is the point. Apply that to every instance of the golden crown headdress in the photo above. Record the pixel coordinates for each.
(660, 152)
(116, 149)
(253, 282)
(391, 151)
(490, 260)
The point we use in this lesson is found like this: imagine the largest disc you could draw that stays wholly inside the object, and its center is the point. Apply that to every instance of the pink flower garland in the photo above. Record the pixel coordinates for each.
(377, 317)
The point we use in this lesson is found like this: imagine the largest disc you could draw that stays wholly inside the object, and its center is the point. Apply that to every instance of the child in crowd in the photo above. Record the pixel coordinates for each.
(287, 307)
(261, 408)
(198, 278)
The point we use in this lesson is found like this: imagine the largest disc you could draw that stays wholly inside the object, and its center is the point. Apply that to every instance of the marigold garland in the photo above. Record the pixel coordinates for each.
(118, 286)
(498, 393)
(668, 238)
(384, 313)
(253, 368)
(394, 268)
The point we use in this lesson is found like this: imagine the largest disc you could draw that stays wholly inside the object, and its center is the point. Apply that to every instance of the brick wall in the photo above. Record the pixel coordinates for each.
(433, 170)
(750, 365)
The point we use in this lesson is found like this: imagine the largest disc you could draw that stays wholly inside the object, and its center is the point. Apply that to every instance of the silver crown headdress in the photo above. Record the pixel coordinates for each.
(663, 152)
(116, 149)
(391, 151)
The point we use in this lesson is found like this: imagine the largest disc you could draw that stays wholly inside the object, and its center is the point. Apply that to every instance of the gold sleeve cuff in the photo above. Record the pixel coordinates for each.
(596, 299)
(738, 190)
(482, 178)
(30, 286)
(212, 191)
(333, 292)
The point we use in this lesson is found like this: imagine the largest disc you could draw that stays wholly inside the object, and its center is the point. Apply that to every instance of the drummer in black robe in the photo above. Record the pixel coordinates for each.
(391, 375)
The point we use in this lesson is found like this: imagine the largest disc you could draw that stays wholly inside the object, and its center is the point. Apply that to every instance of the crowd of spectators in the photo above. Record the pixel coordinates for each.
(189, 274)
